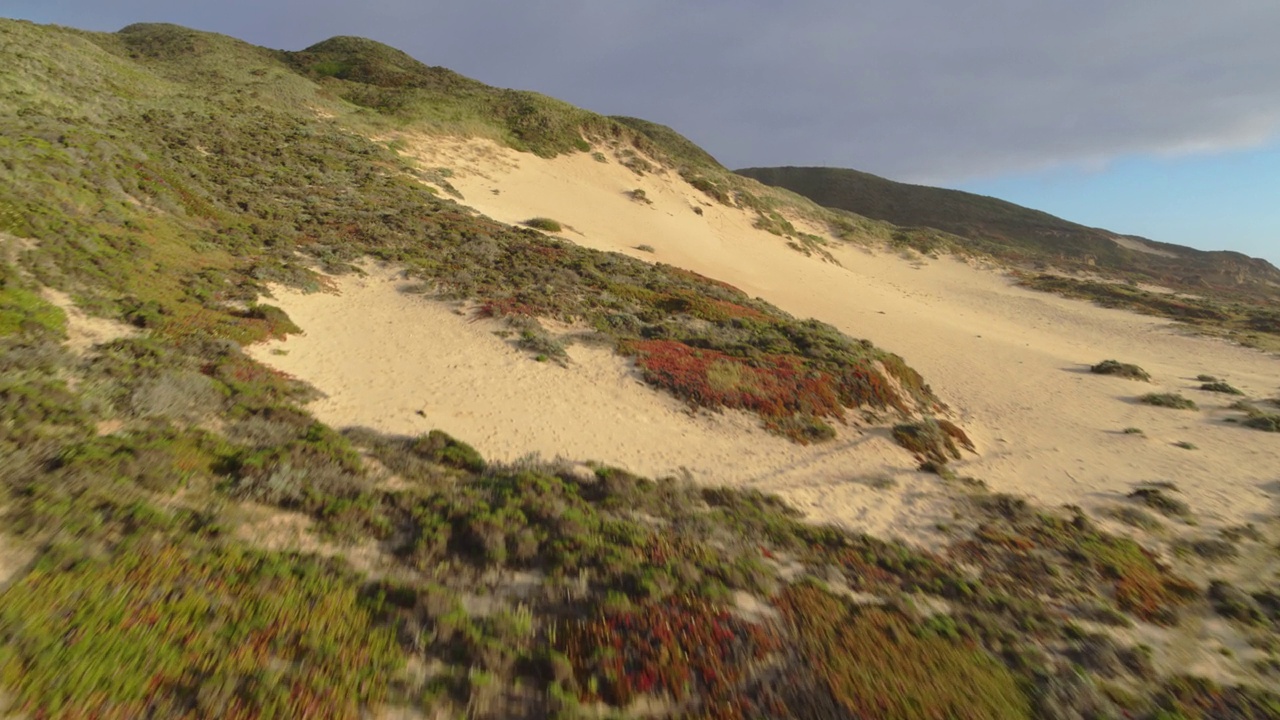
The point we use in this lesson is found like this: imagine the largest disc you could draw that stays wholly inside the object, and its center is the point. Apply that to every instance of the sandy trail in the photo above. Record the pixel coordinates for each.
(1012, 364)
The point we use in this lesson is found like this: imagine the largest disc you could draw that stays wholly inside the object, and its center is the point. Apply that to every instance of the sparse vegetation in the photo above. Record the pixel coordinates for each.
(1246, 320)
(544, 224)
(1168, 400)
(1136, 517)
(1125, 370)
(933, 440)
(1255, 417)
(1220, 387)
(639, 196)
(1266, 422)
(1157, 499)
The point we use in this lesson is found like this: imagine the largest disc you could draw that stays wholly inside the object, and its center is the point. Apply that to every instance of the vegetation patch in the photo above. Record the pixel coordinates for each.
(933, 440)
(1225, 313)
(1124, 370)
(676, 649)
(876, 663)
(1168, 400)
(780, 388)
(544, 224)
(1157, 499)
(23, 310)
(1202, 699)
(1221, 387)
(162, 630)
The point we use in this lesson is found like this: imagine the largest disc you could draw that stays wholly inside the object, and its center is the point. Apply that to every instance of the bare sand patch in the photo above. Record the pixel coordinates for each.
(1140, 246)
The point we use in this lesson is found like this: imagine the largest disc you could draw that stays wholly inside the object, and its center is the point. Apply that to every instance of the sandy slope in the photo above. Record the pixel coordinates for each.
(1011, 362)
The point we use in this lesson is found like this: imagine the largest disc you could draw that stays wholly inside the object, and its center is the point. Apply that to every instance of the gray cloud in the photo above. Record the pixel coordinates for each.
(913, 89)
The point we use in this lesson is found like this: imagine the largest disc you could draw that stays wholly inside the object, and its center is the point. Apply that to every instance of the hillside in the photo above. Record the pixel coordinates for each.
(333, 384)
(1027, 236)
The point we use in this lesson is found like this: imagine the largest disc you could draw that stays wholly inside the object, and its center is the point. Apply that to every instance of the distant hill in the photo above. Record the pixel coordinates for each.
(1021, 234)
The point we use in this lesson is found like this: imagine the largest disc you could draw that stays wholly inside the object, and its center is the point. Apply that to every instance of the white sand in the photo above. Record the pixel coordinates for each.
(1011, 362)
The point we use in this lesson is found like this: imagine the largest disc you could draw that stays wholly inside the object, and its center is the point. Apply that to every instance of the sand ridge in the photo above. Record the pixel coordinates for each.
(1011, 362)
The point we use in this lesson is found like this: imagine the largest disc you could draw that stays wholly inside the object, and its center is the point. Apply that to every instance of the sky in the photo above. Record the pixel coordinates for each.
(1159, 119)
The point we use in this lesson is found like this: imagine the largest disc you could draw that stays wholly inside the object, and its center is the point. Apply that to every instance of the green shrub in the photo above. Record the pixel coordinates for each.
(933, 440)
(1265, 422)
(1220, 387)
(544, 224)
(640, 196)
(1168, 400)
(1125, 370)
(438, 447)
(1156, 499)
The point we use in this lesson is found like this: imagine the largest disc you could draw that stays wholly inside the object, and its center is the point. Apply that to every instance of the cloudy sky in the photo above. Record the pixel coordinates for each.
(1153, 118)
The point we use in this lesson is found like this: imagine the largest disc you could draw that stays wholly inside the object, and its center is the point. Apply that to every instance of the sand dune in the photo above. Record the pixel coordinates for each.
(1012, 364)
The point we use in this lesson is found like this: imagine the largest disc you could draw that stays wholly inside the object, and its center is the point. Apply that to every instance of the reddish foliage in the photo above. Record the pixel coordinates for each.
(776, 387)
(723, 309)
(681, 272)
(678, 647)
(783, 387)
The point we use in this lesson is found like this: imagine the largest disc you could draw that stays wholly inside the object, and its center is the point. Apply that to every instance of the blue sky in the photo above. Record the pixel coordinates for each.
(1154, 119)
(1219, 200)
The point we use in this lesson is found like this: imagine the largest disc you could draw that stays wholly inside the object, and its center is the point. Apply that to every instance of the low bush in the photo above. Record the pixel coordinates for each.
(1168, 400)
(1221, 387)
(440, 448)
(544, 224)
(1156, 499)
(640, 196)
(1266, 422)
(933, 440)
(1125, 370)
